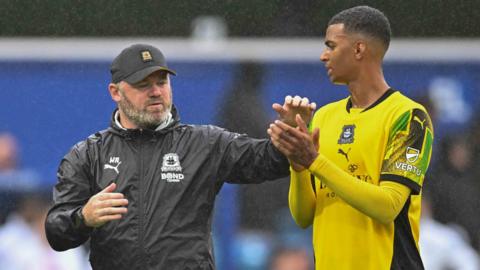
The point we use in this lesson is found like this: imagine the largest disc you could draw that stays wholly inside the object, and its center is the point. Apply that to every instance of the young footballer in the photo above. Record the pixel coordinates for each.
(356, 177)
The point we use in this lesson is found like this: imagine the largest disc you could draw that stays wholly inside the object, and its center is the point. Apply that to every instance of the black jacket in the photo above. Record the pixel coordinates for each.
(170, 178)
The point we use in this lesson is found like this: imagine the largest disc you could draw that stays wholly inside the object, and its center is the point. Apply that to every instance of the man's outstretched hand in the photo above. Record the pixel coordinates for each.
(293, 106)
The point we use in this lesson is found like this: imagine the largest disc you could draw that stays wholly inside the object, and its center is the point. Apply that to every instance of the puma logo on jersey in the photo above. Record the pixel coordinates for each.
(345, 154)
(416, 119)
(112, 166)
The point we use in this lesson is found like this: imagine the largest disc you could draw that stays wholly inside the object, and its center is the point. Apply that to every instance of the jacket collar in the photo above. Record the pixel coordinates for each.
(115, 128)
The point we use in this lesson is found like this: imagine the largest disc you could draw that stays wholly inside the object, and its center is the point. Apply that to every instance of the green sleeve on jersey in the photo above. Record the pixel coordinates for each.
(408, 149)
(400, 125)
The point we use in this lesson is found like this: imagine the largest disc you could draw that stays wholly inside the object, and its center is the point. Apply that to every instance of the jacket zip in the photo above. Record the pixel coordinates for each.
(141, 233)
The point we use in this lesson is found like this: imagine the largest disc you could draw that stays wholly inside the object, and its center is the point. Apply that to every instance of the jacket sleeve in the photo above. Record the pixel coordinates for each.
(248, 160)
(72, 191)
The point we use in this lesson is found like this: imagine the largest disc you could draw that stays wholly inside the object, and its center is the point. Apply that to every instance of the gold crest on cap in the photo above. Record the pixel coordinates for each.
(146, 56)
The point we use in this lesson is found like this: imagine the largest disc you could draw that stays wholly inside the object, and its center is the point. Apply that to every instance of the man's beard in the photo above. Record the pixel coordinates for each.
(141, 117)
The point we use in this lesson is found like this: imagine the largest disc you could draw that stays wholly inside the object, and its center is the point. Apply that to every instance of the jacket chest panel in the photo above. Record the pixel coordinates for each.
(150, 166)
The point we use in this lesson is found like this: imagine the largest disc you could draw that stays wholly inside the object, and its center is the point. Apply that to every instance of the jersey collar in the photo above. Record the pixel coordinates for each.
(388, 93)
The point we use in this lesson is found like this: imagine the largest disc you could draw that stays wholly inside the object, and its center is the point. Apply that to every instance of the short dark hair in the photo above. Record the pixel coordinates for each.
(365, 20)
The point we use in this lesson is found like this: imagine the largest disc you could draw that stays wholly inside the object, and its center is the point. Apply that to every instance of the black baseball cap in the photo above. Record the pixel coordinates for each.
(136, 62)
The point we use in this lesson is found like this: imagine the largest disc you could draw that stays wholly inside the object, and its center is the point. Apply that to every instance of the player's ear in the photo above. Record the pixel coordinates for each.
(360, 49)
(114, 90)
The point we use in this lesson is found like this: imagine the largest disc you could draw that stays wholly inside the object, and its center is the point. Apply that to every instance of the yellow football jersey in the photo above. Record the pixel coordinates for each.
(389, 141)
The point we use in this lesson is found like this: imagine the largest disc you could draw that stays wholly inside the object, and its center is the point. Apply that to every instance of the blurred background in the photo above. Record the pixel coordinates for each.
(233, 59)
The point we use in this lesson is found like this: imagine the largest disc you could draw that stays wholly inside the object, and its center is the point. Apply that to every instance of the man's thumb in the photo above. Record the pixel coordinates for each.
(109, 188)
(278, 108)
(301, 123)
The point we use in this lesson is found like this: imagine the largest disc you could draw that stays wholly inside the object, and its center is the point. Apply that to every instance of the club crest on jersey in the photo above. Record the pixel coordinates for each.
(412, 154)
(171, 168)
(347, 135)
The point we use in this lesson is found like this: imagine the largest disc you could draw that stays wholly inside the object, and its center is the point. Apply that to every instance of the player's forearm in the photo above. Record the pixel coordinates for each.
(301, 198)
(382, 203)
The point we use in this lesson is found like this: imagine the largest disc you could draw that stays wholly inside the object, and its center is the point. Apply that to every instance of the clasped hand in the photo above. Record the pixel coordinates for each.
(293, 106)
(294, 140)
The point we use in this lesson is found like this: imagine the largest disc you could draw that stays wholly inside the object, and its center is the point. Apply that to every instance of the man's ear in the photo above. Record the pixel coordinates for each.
(360, 49)
(114, 92)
